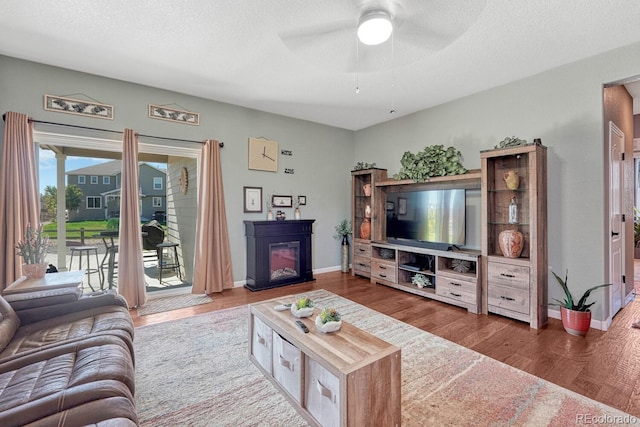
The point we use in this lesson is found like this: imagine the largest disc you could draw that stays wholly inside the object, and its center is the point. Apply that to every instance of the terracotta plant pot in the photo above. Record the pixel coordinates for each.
(575, 322)
(511, 243)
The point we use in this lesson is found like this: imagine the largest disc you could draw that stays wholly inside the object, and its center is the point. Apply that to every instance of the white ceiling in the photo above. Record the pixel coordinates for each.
(298, 57)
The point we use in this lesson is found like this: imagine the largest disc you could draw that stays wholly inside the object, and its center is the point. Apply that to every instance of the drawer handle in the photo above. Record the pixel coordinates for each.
(284, 362)
(455, 295)
(362, 265)
(383, 275)
(261, 340)
(325, 391)
(382, 267)
(362, 250)
(507, 298)
(511, 276)
(455, 284)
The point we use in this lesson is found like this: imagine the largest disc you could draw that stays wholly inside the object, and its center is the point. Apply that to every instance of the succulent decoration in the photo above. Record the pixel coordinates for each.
(511, 142)
(329, 315)
(363, 165)
(304, 302)
(35, 246)
(433, 160)
(420, 280)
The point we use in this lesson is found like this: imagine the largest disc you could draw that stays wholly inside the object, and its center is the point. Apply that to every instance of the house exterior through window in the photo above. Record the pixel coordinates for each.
(157, 202)
(94, 179)
(82, 179)
(106, 180)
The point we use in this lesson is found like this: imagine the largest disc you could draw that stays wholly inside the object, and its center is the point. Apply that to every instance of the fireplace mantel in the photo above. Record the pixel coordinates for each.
(279, 253)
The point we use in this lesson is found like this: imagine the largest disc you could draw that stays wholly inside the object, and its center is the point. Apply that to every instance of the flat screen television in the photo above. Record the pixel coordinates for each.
(427, 218)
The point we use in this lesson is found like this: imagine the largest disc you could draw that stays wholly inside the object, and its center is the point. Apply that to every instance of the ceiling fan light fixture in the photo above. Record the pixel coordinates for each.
(375, 28)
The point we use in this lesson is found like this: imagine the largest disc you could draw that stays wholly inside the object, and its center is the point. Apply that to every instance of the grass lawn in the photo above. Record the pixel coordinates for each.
(73, 229)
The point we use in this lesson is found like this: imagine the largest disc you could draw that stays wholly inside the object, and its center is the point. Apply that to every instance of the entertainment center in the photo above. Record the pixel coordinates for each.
(411, 235)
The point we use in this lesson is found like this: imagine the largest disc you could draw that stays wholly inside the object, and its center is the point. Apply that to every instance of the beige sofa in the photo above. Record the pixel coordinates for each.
(66, 360)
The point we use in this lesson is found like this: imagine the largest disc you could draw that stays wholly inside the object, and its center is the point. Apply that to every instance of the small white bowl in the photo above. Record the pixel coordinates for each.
(303, 312)
(329, 326)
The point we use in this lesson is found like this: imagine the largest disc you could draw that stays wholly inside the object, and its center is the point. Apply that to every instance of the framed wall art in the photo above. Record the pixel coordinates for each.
(282, 201)
(391, 206)
(60, 104)
(252, 199)
(162, 112)
(302, 200)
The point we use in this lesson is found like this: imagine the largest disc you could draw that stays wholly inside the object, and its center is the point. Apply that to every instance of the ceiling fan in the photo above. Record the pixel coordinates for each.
(419, 28)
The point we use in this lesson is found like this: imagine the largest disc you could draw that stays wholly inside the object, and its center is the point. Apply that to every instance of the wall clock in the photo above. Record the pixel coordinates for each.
(184, 180)
(263, 154)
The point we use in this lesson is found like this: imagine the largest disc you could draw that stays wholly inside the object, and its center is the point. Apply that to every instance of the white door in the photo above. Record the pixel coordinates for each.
(616, 226)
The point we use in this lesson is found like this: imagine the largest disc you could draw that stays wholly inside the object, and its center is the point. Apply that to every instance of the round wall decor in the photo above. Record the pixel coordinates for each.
(184, 180)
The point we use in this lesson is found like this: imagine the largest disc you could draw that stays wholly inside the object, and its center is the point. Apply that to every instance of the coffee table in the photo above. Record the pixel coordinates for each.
(64, 279)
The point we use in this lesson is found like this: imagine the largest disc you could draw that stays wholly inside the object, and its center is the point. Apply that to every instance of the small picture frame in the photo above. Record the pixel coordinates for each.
(402, 206)
(252, 199)
(282, 201)
(302, 200)
(391, 206)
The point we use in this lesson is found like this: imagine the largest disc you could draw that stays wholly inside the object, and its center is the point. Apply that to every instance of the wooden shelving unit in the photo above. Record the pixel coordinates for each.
(515, 287)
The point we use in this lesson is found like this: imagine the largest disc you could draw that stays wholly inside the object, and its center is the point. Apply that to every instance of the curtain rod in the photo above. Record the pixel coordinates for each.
(112, 131)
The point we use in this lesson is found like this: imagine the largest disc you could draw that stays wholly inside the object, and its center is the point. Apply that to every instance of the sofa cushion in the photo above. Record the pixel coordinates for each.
(108, 320)
(63, 377)
(9, 324)
(109, 412)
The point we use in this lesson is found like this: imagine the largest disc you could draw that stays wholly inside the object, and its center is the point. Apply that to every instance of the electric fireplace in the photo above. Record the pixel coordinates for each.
(279, 253)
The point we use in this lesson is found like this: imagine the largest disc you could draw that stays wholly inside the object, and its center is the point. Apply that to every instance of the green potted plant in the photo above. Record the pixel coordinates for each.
(576, 316)
(33, 249)
(343, 231)
(303, 307)
(433, 160)
(329, 320)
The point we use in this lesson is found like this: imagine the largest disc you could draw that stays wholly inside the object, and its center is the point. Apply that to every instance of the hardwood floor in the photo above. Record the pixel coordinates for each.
(603, 366)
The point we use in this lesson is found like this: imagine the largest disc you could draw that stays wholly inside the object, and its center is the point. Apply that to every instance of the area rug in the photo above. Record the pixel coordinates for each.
(159, 305)
(196, 372)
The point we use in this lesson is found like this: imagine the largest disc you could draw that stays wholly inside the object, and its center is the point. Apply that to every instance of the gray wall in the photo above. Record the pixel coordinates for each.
(322, 155)
(564, 107)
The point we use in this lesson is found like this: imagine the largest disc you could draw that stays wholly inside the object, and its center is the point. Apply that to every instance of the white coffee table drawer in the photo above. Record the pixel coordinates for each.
(322, 393)
(261, 344)
(287, 366)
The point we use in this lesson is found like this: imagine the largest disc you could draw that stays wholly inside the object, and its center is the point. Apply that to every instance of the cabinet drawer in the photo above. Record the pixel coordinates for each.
(461, 290)
(261, 344)
(322, 394)
(287, 366)
(361, 265)
(508, 298)
(513, 276)
(384, 271)
(361, 249)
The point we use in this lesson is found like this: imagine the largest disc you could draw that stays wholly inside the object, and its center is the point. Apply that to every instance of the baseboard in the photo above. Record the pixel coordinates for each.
(241, 283)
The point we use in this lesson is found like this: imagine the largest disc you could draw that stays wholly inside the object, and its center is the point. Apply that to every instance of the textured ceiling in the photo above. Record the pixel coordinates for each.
(300, 58)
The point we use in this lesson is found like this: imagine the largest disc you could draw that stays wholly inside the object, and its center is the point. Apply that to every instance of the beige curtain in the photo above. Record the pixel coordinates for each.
(130, 268)
(19, 196)
(212, 264)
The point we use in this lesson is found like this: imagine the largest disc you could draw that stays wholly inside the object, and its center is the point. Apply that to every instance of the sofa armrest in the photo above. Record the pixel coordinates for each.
(85, 302)
(43, 298)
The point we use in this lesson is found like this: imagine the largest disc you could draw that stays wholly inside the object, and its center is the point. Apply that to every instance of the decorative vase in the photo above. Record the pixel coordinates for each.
(366, 189)
(344, 264)
(296, 214)
(575, 322)
(329, 326)
(367, 211)
(365, 229)
(269, 215)
(511, 243)
(512, 179)
(35, 271)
